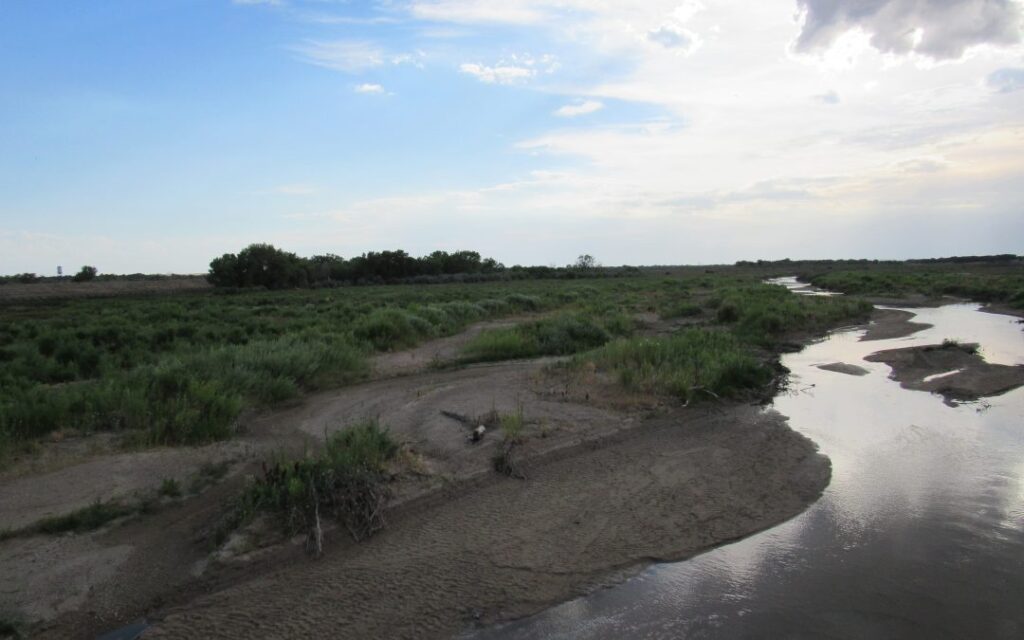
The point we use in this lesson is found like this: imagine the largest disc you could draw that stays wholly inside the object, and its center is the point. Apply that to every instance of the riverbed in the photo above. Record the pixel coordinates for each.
(919, 534)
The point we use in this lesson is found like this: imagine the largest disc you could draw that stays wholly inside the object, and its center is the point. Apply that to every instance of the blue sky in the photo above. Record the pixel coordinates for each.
(152, 136)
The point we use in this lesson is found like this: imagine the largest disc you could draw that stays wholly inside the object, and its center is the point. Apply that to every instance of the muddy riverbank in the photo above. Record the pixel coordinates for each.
(610, 487)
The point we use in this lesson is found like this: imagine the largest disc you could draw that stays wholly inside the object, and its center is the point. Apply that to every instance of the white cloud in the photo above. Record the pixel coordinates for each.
(499, 74)
(350, 56)
(673, 36)
(579, 109)
(513, 69)
(367, 87)
(353, 56)
(478, 11)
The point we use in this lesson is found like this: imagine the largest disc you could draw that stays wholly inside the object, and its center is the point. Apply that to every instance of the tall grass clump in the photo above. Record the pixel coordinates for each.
(689, 365)
(561, 335)
(764, 314)
(346, 482)
(512, 426)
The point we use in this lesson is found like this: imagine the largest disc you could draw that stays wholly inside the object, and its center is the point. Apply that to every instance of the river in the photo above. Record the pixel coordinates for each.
(920, 533)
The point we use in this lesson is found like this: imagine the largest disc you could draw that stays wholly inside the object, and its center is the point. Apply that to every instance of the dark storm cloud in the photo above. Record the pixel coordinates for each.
(940, 29)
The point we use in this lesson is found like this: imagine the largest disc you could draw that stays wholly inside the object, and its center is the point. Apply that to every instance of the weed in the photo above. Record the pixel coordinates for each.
(88, 518)
(170, 488)
(512, 436)
(689, 365)
(346, 482)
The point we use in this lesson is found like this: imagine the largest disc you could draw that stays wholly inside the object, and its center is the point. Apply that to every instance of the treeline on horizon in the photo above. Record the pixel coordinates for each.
(1001, 258)
(265, 266)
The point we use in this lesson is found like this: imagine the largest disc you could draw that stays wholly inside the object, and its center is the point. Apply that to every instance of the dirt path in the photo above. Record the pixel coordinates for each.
(442, 351)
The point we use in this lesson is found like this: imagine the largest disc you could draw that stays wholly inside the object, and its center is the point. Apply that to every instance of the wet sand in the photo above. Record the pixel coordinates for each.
(609, 489)
(954, 371)
(495, 548)
(887, 324)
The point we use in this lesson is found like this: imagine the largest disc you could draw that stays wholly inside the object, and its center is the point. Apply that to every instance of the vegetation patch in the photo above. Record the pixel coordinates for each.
(90, 518)
(765, 314)
(347, 482)
(561, 335)
(985, 285)
(691, 365)
(505, 460)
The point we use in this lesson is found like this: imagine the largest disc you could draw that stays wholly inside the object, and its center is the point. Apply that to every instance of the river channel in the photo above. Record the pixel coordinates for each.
(920, 533)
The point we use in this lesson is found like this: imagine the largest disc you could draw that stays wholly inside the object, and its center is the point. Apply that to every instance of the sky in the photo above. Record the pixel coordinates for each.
(153, 136)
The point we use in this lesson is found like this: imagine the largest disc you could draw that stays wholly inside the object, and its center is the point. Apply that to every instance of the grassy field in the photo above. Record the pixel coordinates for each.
(179, 369)
(994, 284)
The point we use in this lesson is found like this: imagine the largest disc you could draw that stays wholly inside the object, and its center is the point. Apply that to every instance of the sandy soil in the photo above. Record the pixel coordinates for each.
(843, 367)
(30, 498)
(504, 548)
(887, 324)
(608, 489)
(970, 377)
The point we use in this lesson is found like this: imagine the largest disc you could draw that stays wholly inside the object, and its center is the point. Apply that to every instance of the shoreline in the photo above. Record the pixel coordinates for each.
(641, 492)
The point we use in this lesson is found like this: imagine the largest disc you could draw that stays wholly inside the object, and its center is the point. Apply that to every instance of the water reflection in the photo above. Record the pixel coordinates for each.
(919, 534)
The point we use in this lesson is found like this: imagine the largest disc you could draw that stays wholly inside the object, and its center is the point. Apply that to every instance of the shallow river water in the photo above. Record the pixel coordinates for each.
(920, 533)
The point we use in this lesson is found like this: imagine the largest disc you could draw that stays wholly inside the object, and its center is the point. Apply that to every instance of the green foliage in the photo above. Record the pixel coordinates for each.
(563, 334)
(259, 265)
(86, 274)
(982, 285)
(179, 369)
(680, 309)
(347, 481)
(170, 488)
(765, 314)
(684, 365)
(86, 519)
(512, 425)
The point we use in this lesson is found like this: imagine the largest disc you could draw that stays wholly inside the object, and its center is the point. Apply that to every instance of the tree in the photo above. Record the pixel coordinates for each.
(85, 274)
(258, 265)
(586, 261)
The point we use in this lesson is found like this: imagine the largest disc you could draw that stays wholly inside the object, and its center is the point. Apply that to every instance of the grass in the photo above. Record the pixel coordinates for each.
(689, 365)
(765, 315)
(512, 426)
(561, 335)
(979, 284)
(90, 518)
(347, 482)
(170, 488)
(180, 369)
(966, 347)
(680, 309)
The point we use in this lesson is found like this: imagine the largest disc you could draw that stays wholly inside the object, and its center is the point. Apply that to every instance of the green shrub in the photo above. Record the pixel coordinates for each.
(560, 335)
(347, 482)
(686, 365)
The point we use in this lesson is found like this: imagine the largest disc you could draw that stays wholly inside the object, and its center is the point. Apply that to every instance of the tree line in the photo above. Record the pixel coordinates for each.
(263, 265)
